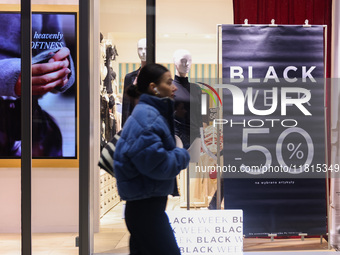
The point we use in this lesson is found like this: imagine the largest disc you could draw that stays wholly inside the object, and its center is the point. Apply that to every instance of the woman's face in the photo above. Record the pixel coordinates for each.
(165, 87)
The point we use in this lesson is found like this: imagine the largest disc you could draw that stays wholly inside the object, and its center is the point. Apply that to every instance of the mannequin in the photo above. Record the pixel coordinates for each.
(130, 79)
(182, 61)
(141, 49)
(187, 121)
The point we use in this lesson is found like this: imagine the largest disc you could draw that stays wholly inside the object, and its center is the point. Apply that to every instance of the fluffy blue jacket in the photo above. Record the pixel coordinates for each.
(146, 160)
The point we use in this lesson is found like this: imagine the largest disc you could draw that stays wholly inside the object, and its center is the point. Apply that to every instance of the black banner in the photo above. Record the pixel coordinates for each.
(274, 128)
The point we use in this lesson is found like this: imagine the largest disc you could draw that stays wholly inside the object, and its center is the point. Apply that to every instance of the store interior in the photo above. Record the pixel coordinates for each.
(172, 34)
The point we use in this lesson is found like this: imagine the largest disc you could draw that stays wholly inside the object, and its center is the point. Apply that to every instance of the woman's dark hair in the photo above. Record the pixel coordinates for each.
(148, 74)
(133, 92)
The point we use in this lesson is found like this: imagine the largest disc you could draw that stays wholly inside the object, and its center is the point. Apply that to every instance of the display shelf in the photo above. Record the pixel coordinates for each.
(108, 193)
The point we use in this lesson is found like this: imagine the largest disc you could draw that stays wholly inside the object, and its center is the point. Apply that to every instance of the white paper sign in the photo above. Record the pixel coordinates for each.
(208, 231)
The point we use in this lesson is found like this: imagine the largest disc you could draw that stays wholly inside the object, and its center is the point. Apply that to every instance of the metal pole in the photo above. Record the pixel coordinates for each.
(150, 31)
(26, 127)
(218, 195)
(326, 143)
(84, 127)
(188, 187)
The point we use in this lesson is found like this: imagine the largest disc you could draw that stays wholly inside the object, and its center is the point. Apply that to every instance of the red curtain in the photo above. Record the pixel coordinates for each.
(290, 12)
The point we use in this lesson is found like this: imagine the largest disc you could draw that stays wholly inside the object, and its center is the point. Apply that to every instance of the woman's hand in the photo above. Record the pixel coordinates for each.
(47, 76)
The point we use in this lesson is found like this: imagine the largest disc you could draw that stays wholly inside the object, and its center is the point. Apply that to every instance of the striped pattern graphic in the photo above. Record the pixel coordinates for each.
(208, 72)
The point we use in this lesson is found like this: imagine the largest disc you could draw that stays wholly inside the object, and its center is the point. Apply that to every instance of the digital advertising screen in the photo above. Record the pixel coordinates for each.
(54, 85)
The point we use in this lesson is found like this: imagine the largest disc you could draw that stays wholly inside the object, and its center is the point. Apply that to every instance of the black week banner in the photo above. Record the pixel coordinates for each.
(274, 128)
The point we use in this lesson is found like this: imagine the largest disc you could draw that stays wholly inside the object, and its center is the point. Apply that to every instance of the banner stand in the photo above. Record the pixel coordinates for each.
(326, 144)
(218, 129)
(220, 111)
(272, 237)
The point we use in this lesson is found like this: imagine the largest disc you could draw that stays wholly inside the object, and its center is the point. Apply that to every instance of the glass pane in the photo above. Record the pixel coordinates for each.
(190, 36)
(55, 201)
(10, 186)
(186, 43)
(122, 30)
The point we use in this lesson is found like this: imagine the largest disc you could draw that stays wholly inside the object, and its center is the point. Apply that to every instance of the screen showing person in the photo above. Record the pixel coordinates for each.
(54, 48)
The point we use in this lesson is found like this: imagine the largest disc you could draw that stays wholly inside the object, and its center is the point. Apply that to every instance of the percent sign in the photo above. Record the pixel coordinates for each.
(295, 150)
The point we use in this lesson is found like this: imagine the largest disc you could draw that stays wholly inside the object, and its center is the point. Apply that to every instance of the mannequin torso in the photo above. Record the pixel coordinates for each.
(187, 120)
(130, 79)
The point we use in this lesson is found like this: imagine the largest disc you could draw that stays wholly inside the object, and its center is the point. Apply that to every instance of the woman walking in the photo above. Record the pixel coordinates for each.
(146, 163)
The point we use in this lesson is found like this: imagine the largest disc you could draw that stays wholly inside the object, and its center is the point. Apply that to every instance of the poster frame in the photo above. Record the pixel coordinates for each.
(220, 110)
(71, 162)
